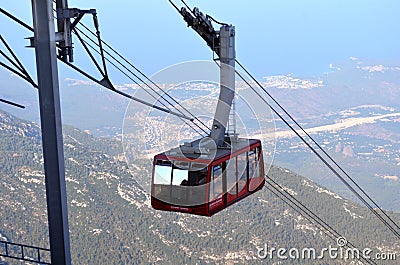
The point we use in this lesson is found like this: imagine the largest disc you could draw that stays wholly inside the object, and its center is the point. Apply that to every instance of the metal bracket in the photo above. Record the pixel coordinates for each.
(202, 24)
(65, 27)
(67, 13)
(80, 15)
(32, 42)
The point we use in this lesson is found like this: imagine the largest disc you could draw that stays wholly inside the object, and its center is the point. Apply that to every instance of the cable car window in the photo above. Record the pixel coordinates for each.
(162, 179)
(242, 171)
(162, 173)
(198, 166)
(202, 179)
(182, 164)
(231, 176)
(216, 183)
(252, 163)
(255, 177)
(163, 162)
(180, 177)
(198, 174)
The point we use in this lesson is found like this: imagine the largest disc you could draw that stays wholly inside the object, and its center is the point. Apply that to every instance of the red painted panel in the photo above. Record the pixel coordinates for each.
(216, 204)
(199, 210)
(255, 183)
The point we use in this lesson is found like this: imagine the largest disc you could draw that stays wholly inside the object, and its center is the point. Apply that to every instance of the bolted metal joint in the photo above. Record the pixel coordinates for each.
(67, 13)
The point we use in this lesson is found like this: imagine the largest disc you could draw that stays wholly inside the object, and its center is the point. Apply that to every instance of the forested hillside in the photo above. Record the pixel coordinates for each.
(112, 222)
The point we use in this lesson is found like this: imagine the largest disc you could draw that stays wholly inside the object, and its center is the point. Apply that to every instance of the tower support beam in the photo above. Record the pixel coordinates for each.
(50, 117)
(227, 83)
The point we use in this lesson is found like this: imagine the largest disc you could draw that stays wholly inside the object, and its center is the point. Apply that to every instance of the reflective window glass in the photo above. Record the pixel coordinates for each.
(231, 176)
(242, 171)
(162, 174)
(216, 183)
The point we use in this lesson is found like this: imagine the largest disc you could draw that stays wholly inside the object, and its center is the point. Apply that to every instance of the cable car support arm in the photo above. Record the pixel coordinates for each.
(221, 42)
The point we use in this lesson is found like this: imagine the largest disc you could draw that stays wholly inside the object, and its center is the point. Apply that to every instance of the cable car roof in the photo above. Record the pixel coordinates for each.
(199, 149)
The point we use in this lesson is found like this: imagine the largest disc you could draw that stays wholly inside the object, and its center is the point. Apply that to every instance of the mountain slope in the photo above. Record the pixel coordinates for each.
(111, 221)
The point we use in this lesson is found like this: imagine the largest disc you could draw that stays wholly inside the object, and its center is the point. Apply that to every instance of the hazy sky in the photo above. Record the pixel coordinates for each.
(272, 36)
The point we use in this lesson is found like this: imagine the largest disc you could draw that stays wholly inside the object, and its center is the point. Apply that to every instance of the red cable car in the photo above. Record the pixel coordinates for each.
(209, 174)
(198, 184)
